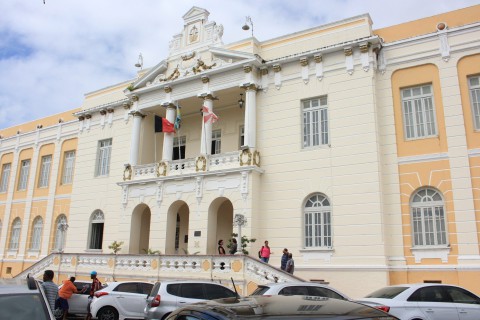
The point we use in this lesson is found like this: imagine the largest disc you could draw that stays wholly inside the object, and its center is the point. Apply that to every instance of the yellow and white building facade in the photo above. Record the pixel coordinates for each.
(357, 149)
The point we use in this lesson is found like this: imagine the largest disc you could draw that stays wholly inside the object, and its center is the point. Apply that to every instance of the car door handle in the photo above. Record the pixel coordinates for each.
(120, 297)
(182, 301)
(429, 310)
(462, 311)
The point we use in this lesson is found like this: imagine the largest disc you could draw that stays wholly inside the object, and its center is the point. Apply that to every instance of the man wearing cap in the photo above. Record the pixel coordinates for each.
(96, 285)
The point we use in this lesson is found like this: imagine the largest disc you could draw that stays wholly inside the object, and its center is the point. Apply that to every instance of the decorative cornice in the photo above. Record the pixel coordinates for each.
(264, 71)
(317, 58)
(88, 116)
(364, 47)
(110, 110)
(348, 51)
(304, 61)
(134, 98)
(103, 112)
(167, 89)
(247, 69)
(136, 113)
(205, 79)
(277, 68)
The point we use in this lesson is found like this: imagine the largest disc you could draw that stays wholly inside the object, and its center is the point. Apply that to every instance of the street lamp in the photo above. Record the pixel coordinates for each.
(248, 20)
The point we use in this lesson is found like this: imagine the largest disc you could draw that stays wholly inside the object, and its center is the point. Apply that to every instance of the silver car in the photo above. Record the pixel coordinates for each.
(167, 296)
(299, 288)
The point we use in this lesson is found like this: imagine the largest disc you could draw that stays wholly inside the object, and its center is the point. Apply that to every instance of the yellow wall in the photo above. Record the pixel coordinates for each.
(435, 174)
(410, 77)
(428, 25)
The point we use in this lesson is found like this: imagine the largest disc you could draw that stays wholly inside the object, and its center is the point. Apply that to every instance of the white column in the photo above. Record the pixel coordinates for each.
(251, 117)
(167, 153)
(135, 140)
(206, 140)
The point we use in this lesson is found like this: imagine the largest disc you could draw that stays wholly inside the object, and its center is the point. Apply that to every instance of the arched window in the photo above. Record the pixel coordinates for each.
(36, 234)
(97, 221)
(428, 218)
(61, 227)
(15, 234)
(318, 226)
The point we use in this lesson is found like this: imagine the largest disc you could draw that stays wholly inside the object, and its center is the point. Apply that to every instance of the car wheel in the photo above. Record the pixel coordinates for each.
(107, 313)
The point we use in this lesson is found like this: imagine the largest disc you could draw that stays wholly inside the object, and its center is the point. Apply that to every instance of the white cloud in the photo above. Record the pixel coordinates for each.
(57, 52)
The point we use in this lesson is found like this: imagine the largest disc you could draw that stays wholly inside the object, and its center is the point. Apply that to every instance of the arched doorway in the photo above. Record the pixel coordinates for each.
(177, 228)
(220, 224)
(140, 229)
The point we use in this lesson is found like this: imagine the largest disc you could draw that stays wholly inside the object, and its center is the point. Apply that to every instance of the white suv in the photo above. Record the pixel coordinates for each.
(167, 296)
(120, 300)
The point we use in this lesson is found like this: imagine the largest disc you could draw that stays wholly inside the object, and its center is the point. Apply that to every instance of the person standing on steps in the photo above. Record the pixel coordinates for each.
(265, 252)
(283, 263)
(221, 249)
(233, 247)
(290, 264)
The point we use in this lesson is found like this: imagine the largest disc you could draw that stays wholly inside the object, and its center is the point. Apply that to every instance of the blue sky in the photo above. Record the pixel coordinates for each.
(52, 54)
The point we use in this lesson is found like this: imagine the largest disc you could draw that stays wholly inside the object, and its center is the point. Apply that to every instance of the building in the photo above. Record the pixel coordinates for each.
(358, 149)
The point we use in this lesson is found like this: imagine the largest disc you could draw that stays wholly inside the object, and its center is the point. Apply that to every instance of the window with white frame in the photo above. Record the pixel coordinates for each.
(418, 112)
(61, 227)
(428, 218)
(37, 234)
(216, 141)
(179, 147)
(103, 157)
(45, 166)
(242, 136)
(68, 167)
(97, 222)
(24, 171)
(317, 219)
(474, 84)
(5, 177)
(15, 234)
(315, 122)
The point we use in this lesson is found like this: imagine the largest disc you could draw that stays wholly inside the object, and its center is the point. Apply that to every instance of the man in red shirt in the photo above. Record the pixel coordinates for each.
(96, 285)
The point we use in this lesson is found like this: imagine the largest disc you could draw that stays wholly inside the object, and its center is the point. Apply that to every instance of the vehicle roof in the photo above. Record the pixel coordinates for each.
(258, 306)
(420, 285)
(187, 281)
(294, 283)
(12, 286)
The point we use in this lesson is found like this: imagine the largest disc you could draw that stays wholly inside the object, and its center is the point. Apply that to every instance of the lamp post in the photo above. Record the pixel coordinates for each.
(239, 220)
(248, 21)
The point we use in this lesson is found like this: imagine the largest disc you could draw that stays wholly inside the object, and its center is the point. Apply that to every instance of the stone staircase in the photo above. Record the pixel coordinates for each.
(246, 272)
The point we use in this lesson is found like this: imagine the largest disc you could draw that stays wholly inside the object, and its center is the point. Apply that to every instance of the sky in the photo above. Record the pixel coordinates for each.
(52, 54)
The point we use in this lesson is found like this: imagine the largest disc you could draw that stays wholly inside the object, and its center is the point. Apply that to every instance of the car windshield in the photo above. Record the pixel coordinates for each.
(23, 307)
(387, 292)
(260, 291)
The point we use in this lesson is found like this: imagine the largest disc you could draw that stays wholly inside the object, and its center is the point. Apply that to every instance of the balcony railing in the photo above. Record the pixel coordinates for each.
(215, 162)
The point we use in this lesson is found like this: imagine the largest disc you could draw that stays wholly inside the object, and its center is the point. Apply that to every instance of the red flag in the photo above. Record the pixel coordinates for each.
(208, 115)
(163, 125)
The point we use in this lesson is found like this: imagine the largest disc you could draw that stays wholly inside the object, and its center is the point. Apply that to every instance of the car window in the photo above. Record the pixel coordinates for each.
(214, 291)
(323, 292)
(460, 295)
(127, 287)
(80, 287)
(260, 291)
(23, 307)
(145, 288)
(174, 289)
(430, 294)
(192, 291)
(387, 292)
(294, 290)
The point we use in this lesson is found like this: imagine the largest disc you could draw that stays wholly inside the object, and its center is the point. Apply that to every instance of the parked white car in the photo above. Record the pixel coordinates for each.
(299, 288)
(120, 300)
(426, 301)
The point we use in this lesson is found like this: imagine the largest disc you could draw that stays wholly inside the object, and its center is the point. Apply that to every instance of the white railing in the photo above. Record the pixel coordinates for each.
(216, 162)
(242, 269)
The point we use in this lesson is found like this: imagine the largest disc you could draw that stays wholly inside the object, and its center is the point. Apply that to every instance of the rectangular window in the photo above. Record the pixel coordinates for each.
(418, 112)
(45, 171)
(103, 157)
(216, 141)
(179, 147)
(36, 236)
(68, 166)
(315, 122)
(242, 136)
(24, 171)
(15, 237)
(97, 236)
(318, 229)
(5, 177)
(474, 83)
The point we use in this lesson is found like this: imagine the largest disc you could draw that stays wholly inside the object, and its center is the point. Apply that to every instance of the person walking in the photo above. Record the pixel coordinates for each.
(50, 288)
(290, 264)
(96, 285)
(283, 263)
(221, 249)
(233, 246)
(65, 293)
(265, 252)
